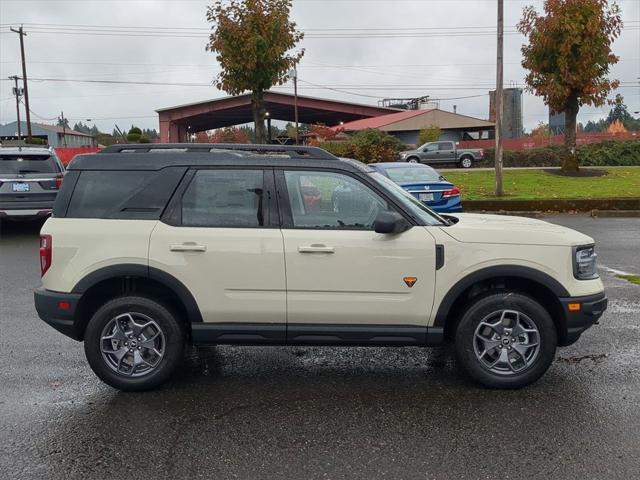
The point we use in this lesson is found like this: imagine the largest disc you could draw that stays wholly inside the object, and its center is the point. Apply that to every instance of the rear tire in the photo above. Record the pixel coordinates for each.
(465, 162)
(134, 343)
(413, 160)
(505, 340)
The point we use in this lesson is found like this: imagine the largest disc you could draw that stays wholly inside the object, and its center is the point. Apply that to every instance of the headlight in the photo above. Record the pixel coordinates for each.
(403, 155)
(584, 263)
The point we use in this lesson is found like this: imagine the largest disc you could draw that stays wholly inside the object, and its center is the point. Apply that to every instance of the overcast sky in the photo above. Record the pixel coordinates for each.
(449, 52)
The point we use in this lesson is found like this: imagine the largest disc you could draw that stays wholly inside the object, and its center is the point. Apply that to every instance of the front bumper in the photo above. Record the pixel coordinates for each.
(58, 310)
(580, 314)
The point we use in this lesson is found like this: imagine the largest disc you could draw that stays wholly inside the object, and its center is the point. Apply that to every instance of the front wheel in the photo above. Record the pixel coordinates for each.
(134, 343)
(505, 340)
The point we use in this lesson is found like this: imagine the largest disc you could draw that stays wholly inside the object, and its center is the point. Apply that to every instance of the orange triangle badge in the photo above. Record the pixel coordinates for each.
(410, 281)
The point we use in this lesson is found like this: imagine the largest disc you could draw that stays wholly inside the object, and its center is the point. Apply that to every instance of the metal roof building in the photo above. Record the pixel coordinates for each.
(55, 135)
(406, 125)
(176, 123)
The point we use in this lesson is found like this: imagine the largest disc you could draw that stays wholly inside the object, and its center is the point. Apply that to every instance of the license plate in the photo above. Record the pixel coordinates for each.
(21, 187)
(425, 197)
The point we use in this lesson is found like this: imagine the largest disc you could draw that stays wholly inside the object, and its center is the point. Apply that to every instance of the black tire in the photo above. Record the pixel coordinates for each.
(486, 306)
(413, 160)
(466, 162)
(173, 342)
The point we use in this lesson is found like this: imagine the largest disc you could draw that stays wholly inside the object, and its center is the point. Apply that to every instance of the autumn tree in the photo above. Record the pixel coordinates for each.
(230, 135)
(253, 42)
(569, 57)
(541, 131)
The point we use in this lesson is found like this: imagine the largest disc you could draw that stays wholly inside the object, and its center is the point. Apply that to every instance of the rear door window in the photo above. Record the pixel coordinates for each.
(225, 198)
(27, 164)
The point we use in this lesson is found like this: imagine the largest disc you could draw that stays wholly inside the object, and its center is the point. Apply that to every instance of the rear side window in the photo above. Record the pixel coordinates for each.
(98, 193)
(27, 164)
(224, 198)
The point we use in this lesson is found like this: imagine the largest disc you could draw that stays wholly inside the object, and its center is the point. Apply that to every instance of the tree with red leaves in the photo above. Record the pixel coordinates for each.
(569, 57)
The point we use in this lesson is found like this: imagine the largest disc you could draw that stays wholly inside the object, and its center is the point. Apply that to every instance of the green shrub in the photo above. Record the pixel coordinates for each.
(604, 154)
(431, 134)
(134, 135)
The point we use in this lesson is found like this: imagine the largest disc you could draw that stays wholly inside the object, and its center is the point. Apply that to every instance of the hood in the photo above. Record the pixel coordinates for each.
(479, 228)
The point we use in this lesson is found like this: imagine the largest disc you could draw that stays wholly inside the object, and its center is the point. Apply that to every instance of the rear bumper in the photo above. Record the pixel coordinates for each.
(48, 305)
(450, 205)
(26, 209)
(578, 320)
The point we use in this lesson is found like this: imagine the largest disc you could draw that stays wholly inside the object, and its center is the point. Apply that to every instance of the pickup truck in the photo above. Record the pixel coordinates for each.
(443, 152)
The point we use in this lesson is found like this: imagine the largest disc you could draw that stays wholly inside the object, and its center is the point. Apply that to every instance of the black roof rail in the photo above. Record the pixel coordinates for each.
(293, 151)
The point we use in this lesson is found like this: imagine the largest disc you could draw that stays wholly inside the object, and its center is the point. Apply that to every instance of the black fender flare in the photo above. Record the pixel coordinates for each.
(143, 271)
(516, 271)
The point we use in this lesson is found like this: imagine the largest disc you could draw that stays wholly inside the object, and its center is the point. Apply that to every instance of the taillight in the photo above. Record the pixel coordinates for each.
(481, 152)
(59, 182)
(454, 192)
(45, 253)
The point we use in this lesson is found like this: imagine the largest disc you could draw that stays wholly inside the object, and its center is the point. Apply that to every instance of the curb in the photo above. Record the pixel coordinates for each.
(616, 213)
(585, 205)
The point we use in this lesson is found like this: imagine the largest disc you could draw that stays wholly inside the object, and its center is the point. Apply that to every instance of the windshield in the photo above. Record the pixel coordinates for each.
(412, 174)
(23, 164)
(409, 202)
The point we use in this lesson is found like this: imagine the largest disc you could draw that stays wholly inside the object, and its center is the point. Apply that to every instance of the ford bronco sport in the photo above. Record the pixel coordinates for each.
(154, 246)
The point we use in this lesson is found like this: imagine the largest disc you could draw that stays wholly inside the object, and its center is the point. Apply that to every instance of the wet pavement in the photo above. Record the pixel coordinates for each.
(237, 412)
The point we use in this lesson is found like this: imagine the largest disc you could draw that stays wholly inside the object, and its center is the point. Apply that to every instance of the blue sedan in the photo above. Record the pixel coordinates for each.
(424, 183)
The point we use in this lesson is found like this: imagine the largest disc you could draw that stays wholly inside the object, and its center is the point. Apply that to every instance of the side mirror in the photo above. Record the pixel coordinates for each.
(390, 222)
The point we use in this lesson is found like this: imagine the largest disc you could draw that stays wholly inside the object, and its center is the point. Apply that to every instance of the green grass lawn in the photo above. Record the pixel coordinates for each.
(537, 184)
(630, 278)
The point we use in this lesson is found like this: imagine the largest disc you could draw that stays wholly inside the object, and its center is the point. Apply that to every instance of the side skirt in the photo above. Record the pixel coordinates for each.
(320, 335)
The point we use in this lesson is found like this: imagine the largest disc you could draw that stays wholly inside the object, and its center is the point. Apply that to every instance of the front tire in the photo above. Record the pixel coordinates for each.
(413, 160)
(134, 343)
(505, 340)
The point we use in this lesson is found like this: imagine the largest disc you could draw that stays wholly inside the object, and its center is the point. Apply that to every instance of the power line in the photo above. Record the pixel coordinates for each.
(313, 33)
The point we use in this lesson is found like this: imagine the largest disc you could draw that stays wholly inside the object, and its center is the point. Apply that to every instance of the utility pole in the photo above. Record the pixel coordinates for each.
(499, 100)
(64, 129)
(18, 94)
(21, 33)
(294, 73)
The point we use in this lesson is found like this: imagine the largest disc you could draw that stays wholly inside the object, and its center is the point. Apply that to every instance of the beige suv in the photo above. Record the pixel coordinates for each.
(151, 247)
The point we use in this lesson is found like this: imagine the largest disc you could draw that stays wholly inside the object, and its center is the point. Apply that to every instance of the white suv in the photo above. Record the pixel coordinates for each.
(153, 246)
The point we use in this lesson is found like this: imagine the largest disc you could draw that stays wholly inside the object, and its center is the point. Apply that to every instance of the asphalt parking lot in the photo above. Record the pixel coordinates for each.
(235, 412)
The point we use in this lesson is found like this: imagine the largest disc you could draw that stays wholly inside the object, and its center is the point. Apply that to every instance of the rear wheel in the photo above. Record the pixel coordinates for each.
(413, 160)
(134, 343)
(465, 162)
(505, 340)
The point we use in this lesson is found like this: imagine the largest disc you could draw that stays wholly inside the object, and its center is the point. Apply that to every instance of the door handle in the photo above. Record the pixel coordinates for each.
(316, 248)
(188, 247)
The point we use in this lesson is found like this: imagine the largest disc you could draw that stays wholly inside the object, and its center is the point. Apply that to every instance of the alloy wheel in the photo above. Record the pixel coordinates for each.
(132, 344)
(506, 342)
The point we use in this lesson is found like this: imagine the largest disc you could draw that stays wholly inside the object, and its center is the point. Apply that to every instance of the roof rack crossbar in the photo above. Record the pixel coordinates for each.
(292, 151)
